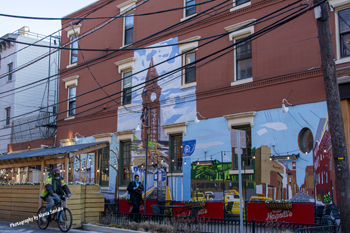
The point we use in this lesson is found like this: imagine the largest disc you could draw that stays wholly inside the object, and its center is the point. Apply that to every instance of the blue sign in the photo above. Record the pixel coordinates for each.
(188, 147)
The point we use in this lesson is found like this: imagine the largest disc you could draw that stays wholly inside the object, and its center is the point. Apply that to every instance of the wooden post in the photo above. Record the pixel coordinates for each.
(41, 181)
(86, 163)
(66, 172)
(79, 167)
(335, 121)
(95, 170)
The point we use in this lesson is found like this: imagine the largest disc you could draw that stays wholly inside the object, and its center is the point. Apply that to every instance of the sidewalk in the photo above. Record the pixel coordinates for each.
(90, 227)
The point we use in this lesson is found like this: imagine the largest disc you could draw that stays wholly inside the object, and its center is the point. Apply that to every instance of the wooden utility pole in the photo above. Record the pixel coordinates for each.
(336, 125)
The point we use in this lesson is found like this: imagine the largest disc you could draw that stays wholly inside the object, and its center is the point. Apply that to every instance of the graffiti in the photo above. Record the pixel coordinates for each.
(277, 214)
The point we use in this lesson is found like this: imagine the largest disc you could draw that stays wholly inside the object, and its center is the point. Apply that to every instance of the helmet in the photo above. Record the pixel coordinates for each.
(56, 173)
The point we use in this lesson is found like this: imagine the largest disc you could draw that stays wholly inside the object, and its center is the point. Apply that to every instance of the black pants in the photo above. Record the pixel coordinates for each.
(135, 209)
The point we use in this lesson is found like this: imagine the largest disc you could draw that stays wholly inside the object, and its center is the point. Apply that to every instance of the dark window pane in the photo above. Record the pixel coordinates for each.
(104, 166)
(8, 115)
(129, 36)
(126, 168)
(10, 68)
(190, 8)
(127, 85)
(74, 53)
(129, 29)
(239, 2)
(176, 153)
(244, 59)
(344, 27)
(71, 104)
(190, 71)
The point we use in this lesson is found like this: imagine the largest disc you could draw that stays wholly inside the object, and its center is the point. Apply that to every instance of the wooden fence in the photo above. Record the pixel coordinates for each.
(20, 202)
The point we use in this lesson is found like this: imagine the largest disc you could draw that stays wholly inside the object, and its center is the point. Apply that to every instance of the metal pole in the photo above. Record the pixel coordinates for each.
(146, 155)
(240, 181)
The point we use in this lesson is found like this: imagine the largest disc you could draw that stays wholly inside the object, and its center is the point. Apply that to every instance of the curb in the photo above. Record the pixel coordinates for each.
(89, 227)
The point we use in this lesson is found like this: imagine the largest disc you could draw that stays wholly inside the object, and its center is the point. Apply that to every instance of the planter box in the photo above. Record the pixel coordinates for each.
(201, 205)
(279, 206)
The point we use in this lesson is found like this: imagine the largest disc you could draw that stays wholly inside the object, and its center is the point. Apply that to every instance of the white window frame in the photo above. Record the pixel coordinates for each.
(339, 5)
(124, 66)
(122, 93)
(68, 102)
(10, 74)
(237, 7)
(69, 83)
(125, 9)
(236, 35)
(184, 13)
(71, 33)
(184, 49)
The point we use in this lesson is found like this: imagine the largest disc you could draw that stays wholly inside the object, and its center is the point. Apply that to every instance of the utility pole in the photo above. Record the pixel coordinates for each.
(335, 117)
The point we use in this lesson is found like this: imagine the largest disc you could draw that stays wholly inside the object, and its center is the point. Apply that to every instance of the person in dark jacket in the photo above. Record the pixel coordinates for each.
(54, 187)
(135, 189)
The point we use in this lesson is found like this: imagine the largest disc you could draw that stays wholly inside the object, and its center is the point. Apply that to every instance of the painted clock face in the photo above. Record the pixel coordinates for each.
(153, 96)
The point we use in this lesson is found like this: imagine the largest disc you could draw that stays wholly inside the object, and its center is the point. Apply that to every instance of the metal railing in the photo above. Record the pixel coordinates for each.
(318, 229)
(185, 224)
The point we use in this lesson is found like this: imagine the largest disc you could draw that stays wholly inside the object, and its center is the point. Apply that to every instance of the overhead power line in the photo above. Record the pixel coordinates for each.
(260, 32)
(103, 17)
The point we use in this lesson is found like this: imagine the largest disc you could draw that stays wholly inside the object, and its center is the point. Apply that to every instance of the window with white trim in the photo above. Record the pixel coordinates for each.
(242, 56)
(239, 4)
(127, 87)
(128, 28)
(189, 56)
(72, 91)
(190, 7)
(190, 69)
(125, 67)
(74, 52)
(344, 32)
(243, 59)
(73, 36)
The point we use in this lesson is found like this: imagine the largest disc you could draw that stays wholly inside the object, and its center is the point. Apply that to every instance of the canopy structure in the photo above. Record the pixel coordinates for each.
(50, 156)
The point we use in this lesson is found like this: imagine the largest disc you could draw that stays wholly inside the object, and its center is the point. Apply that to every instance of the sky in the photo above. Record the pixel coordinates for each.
(38, 8)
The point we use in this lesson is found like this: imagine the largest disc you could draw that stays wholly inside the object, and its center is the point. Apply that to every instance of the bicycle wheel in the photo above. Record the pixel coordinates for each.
(64, 220)
(42, 225)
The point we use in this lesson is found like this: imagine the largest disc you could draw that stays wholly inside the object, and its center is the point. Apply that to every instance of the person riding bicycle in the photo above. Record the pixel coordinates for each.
(54, 187)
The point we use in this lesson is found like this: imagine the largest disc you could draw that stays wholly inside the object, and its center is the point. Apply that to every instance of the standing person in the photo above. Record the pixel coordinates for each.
(54, 187)
(135, 189)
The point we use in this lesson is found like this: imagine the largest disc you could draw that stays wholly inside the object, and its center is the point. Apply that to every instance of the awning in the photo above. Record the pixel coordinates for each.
(32, 158)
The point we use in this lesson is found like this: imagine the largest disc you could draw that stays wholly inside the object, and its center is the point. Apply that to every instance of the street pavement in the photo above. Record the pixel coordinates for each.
(31, 228)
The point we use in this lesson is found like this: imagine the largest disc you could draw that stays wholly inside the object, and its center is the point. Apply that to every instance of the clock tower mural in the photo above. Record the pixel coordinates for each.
(151, 106)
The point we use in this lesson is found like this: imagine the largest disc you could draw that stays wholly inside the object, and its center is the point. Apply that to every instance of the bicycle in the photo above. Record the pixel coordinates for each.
(62, 215)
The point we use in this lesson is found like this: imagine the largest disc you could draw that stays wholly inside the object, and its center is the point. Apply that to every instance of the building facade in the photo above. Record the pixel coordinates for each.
(205, 83)
(28, 95)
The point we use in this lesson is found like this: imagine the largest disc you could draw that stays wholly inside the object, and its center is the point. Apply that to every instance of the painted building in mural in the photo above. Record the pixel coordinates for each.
(193, 108)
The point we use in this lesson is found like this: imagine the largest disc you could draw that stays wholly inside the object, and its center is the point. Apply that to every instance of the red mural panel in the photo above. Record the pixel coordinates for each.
(300, 213)
(125, 207)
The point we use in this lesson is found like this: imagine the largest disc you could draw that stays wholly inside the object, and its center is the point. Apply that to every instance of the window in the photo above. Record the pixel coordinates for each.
(247, 158)
(189, 56)
(10, 69)
(243, 59)
(176, 153)
(242, 56)
(239, 2)
(190, 7)
(8, 115)
(127, 87)
(125, 162)
(190, 70)
(128, 28)
(103, 155)
(344, 30)
(74, 52)
(71, 101)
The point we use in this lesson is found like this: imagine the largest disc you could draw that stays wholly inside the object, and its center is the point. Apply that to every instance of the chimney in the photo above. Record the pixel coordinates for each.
(23, 31)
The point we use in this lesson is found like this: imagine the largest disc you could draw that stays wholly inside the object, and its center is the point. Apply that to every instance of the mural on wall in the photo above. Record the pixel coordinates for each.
(277, 157)
(159, 102)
